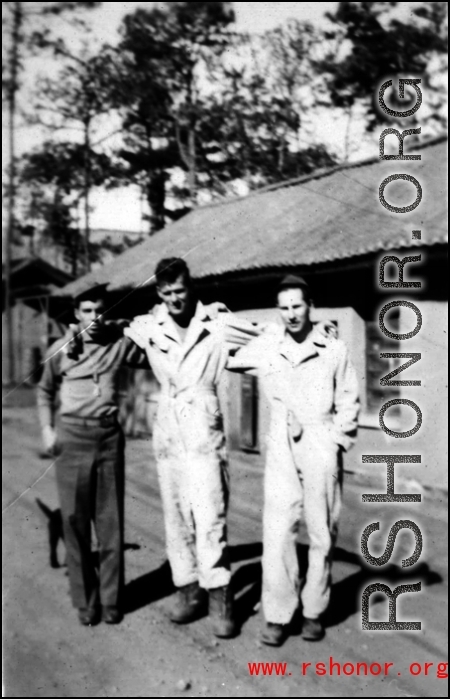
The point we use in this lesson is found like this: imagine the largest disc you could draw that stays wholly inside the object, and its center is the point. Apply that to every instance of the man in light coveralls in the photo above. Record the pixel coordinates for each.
(313, 393)
(188, 345)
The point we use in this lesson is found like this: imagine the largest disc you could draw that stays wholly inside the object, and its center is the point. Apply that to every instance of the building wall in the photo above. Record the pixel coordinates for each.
(432, 396)
(138, 395)
(430, 441)
(29, 338)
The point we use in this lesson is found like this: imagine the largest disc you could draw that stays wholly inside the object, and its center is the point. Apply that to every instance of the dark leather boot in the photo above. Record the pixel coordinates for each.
(312, 630)
(274, 634)
(189, 603)
(111, 615)
(89, 616)
(221, 612)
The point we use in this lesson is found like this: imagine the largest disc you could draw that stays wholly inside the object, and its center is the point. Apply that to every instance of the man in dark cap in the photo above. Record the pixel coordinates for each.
(313, 393)
(84, 365)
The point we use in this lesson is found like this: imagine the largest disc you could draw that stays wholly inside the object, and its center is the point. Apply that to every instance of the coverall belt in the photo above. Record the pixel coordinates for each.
(105, 421)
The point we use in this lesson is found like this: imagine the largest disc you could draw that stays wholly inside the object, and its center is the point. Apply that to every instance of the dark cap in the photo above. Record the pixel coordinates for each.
(94, 293)
(291, 281)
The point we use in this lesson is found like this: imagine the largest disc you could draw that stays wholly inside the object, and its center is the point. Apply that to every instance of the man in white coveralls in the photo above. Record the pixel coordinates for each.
(313, 393)
(188, 345)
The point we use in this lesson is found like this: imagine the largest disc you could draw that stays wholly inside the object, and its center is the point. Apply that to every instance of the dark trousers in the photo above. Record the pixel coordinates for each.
(90, 480)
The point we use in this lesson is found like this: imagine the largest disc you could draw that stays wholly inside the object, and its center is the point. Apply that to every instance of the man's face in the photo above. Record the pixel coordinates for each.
(177, 296)
(294, 310)
(89, 316)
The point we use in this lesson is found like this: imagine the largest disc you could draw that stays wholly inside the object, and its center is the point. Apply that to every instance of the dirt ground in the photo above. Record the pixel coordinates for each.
(48, 654)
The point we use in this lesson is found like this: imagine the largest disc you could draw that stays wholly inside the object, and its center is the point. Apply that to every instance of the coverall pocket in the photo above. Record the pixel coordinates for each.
(323, 438)
(331, 437)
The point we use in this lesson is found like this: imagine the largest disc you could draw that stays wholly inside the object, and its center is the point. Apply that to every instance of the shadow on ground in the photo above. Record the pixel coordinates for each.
(148, 588)
(345, 594)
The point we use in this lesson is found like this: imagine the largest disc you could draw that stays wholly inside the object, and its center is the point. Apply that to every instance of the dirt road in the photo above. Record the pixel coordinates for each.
(47, 653)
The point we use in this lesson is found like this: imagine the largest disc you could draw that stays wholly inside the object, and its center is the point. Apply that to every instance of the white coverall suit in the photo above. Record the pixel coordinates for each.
(315, 381)
(188, 436)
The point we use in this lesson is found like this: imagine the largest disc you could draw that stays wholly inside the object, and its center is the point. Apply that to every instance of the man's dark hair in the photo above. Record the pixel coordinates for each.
(169, 269)
(291, 281)
(95, 293)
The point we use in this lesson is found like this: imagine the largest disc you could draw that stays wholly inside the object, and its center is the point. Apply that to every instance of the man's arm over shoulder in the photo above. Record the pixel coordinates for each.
(252, 357)
(134, 355)
(141, 330)
(135, 335)
(346, 396)
(236, 332)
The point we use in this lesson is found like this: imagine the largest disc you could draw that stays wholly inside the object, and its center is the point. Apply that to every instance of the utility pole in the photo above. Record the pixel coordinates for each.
(17, 16)
(87, 188)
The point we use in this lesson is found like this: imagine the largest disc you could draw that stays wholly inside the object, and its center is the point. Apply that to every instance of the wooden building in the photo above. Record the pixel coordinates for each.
(34, 316)
(331, 228)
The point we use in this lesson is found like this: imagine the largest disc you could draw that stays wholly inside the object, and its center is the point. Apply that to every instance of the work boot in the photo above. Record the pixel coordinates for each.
(89, 616)
(111, 615)
(221, 612)
(274, 634)
(312, 630)
(189, 603)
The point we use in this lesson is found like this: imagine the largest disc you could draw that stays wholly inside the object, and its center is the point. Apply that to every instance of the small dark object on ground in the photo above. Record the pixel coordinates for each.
(55, 531)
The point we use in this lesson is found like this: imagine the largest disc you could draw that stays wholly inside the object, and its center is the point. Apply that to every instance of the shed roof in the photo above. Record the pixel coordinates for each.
(331, 215)
(27, 272)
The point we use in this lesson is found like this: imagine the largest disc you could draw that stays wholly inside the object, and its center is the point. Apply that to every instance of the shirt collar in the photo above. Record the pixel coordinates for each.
(300, 352)
(161, 314)
(196, 330)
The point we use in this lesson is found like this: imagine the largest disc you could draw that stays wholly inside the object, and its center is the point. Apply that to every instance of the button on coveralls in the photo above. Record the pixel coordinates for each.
(188, 436)
(315, 381)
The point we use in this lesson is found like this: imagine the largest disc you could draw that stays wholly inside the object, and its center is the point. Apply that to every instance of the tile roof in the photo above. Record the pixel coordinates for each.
(331, 215)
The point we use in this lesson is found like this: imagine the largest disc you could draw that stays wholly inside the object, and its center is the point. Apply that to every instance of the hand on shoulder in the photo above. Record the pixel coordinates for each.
(141, 328)
(326, 328)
